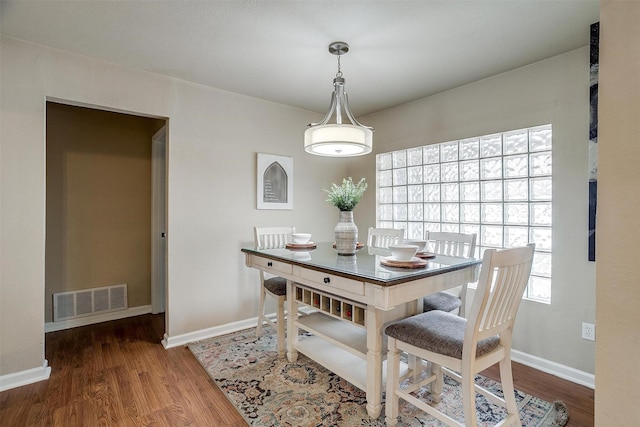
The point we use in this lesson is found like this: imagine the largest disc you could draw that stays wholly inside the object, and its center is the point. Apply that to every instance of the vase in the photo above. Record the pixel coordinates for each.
(346, 234)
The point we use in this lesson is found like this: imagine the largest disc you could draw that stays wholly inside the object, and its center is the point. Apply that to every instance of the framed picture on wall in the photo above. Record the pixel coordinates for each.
(275, 182)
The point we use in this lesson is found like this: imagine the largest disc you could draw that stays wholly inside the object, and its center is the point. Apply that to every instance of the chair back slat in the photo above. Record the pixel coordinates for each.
(272, 237)
(383, 237)
(503, 278)
(452, 244)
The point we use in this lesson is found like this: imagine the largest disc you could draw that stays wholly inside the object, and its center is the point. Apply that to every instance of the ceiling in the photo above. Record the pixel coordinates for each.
(277, 50)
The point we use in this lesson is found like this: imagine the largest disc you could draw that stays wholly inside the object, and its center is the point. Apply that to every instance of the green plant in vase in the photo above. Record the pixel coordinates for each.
(345, 197)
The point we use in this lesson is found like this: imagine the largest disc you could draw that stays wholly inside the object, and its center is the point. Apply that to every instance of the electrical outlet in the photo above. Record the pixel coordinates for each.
(589, 331)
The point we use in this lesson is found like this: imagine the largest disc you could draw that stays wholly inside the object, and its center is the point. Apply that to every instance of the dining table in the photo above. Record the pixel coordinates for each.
(349, 299)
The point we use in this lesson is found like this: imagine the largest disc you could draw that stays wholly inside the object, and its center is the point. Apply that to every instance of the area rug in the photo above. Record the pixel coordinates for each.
(269, 391)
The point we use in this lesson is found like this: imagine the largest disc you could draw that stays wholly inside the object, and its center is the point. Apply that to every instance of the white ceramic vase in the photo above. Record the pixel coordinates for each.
(346, 234)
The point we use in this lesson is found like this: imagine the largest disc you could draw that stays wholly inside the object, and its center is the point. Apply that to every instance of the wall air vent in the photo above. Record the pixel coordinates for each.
(88, 302)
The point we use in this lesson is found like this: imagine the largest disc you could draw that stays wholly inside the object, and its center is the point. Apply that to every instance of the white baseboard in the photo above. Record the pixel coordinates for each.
(570, 374)
(98, 318)
(203, 334)
(28, 376)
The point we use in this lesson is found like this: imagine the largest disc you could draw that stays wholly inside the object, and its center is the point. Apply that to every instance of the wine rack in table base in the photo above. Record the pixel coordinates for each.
(343, 309)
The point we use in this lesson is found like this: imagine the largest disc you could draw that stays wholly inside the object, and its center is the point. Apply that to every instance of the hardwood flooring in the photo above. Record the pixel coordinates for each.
(118, 374)
(578, 398)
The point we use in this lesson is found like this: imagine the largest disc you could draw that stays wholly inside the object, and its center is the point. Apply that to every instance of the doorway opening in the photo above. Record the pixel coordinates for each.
(105, 202)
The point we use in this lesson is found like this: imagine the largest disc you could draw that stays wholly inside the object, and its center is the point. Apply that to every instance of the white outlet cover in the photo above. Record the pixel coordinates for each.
(589, 331)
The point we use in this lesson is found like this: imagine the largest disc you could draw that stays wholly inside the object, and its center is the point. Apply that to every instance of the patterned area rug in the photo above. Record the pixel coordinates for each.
(269, 391)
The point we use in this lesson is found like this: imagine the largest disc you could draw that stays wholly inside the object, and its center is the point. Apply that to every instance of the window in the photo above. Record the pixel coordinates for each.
(497, 186)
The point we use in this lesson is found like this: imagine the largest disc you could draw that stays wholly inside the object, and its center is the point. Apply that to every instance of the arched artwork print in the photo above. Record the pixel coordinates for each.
(275, 182)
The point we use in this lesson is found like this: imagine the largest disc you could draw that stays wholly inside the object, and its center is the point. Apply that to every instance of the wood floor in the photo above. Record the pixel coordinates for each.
(118, 374)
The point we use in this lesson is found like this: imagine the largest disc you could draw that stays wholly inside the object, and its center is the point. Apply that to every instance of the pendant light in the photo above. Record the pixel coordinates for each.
(338, 139)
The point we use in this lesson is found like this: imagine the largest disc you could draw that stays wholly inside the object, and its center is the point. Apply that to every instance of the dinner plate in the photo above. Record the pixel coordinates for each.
(414, 262)
(425, 255)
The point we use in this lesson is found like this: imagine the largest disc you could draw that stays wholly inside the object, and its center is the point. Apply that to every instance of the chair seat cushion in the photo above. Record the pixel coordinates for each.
(276, 285)
(441, 301)
(439, 332)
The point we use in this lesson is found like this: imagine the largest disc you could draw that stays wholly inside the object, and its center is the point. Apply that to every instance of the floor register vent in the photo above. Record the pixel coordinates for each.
(89, 302)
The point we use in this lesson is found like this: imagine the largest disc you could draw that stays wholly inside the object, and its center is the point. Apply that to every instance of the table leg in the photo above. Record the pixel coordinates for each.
(374, 361)
(414, 362)
(292, 316)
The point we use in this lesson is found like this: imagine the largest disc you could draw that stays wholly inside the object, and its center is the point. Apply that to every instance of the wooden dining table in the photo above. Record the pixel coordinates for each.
(350, 299)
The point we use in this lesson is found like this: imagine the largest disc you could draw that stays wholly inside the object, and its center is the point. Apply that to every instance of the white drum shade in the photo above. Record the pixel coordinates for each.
(338, 140)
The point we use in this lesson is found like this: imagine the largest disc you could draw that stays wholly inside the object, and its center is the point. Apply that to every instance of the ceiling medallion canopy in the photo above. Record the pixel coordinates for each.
(337, 139)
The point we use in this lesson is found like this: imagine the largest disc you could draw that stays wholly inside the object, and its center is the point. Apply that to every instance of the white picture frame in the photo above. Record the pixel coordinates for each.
(274, 182)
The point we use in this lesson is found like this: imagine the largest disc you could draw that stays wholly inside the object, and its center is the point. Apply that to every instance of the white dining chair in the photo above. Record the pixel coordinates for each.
(451, 244)
(463, 347)
(276, 287)
(379, 239)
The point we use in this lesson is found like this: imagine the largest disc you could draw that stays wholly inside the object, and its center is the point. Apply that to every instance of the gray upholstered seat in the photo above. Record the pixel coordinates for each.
(438, 331)
(441, 301)
(276, 285)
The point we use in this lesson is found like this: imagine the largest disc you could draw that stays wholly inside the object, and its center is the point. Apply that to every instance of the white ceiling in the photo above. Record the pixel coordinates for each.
(277, 50)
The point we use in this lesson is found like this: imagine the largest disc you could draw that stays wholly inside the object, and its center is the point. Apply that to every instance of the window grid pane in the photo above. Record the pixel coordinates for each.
(497, 186)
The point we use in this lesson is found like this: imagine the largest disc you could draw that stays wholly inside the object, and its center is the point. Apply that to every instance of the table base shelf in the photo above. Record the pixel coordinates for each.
(343, 363)
(337, 332)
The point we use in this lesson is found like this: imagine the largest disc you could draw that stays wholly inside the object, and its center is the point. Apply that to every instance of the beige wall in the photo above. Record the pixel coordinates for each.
(553, 91)
(618, 286)
(213, 138)
(98, 220)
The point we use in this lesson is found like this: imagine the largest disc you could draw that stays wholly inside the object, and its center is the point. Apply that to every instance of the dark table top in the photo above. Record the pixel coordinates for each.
(363, 265)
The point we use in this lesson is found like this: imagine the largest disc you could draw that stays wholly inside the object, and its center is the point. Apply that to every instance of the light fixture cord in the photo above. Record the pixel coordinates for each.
(339, 73)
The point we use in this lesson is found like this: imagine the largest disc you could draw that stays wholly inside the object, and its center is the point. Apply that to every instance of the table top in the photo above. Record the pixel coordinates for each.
(363, 265)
